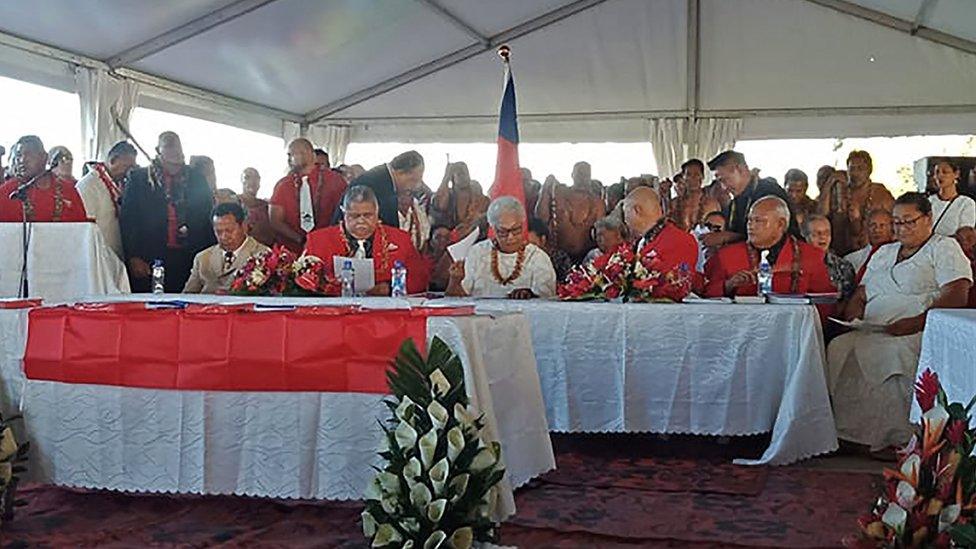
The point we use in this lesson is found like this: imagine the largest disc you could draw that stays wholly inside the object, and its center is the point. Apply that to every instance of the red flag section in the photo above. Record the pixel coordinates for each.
(508, 178)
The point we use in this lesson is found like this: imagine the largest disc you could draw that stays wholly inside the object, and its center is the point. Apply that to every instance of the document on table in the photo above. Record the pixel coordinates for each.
(364, 277)
(858, 324)
(694, 298)
(459, 250)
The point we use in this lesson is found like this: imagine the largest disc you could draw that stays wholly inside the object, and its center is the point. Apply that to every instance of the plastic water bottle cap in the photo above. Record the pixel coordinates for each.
(157, 263)
(398, 264)
(347, 264)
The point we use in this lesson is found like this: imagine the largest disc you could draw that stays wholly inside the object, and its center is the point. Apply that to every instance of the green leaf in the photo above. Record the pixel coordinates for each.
(964, 535)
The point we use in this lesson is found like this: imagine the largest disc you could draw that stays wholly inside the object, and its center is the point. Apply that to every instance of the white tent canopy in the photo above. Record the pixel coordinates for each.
(586, 70)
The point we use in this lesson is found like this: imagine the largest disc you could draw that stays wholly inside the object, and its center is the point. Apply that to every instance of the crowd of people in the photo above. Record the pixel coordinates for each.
(888, 260)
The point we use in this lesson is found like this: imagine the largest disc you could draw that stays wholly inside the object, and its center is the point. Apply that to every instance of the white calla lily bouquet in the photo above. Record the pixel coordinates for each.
(437, 488)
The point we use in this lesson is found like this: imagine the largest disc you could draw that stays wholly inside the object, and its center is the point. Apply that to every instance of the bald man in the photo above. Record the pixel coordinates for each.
(50, 198)
(570, 212)
(165, 214)
(644, 217)
(798, 267)
(305, 199)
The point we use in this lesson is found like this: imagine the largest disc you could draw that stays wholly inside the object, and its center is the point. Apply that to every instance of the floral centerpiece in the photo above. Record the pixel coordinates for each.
(12, 457)
(622, 274)
(437, 487)
(278, 272)
(930, 498)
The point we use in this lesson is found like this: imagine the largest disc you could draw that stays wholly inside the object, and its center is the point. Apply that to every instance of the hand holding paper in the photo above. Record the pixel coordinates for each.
(459, 250)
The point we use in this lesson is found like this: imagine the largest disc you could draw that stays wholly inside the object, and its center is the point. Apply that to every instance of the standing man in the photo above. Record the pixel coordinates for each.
(101, 191)
(214, 268)
(848, 201)
(165, 215)
(733, 174)
(692, 201)
(458, 203)
(304, 199)
(570, 212)
(404, 173)
(257, 209)
(49, 198)
(796, 184)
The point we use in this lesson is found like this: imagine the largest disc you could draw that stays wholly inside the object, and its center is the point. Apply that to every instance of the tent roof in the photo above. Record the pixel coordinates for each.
(585, 69)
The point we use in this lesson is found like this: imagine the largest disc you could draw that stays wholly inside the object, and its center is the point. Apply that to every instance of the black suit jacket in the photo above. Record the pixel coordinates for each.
(738, 210)
(143, 216)
(381, 182)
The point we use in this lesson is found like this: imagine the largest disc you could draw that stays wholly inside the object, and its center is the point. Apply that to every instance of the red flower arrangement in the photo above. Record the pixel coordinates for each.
(621, 273)
(930, 499)
(278, 272)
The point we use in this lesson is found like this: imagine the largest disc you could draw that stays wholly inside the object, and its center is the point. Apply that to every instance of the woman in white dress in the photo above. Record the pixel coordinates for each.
(871, 372)
(506, 265)
(950, 210)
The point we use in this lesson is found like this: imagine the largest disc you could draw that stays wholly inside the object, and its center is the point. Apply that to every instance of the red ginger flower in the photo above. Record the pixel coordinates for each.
(927, 389)
(956, 431)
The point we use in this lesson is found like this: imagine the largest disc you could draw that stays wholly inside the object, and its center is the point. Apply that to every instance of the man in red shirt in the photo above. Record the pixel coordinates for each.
(644, 217)
(305, 199)
(798, 267)
(50, 198)
(361, 235)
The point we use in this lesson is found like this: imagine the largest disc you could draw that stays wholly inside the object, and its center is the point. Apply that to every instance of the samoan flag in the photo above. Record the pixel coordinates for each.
(508, 178)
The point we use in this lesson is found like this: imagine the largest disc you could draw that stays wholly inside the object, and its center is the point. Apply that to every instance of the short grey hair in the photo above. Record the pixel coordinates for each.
(504, 204)
(782, 209)
(359, 193)
(810, 219)
(610, 223)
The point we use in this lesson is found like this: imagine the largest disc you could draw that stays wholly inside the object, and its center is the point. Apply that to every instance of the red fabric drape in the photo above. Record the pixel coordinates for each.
(215, 348)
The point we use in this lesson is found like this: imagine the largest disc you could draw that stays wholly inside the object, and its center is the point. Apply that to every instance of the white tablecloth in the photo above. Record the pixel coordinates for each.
(698, 369)
(65, 260)
(949, 349)
(274, 444)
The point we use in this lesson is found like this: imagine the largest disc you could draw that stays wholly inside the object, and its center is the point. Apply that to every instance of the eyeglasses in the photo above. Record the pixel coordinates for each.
(713, 228)
(906, 223)
(502, 232)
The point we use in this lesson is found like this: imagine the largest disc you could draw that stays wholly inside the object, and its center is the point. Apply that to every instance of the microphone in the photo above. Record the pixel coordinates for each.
(20, 193)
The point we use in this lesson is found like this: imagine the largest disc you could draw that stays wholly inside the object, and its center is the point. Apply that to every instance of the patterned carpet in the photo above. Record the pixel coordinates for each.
(609, 492)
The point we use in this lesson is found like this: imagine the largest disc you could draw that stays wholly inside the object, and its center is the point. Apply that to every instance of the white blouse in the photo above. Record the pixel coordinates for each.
(537, 275)
(958, 213)
(858, 257)
(908, 288)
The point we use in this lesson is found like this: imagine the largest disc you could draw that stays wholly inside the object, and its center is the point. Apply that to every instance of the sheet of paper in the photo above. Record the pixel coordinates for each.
(694, 298)
(459, 250)
(364, 277)
(858, 324)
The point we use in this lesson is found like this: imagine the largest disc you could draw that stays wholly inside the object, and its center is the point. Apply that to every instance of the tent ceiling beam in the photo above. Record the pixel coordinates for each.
(452, 59)
(456, 21)
(77, 59)
(932, 35)
(186, 31)
(924, 11)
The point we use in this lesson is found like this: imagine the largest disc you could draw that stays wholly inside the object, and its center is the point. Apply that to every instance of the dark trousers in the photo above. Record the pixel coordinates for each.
(177, 263)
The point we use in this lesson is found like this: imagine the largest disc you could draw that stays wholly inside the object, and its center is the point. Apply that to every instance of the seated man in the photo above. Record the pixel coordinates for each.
(816, 229)
(712, 222)
(214, 268)
(506, 265)
(798, 267)
(870, 373)
(644, 217)
(361, 235)
(539, 235)
(438, 258)
(49, 198)
(880, 232)
(608, 233)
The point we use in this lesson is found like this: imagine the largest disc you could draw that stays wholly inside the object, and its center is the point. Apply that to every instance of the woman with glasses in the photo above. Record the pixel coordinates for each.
(870, 371)
(506, 265)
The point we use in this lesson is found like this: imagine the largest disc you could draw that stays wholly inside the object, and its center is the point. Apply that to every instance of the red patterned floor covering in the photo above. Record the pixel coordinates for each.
(610, 492)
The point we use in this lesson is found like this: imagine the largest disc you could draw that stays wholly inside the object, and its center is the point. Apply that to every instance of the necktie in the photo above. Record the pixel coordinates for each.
(228, 259)
(361, 249)
(306, 213)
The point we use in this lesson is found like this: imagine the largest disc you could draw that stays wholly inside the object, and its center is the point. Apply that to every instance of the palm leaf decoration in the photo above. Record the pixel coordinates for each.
(13, 459)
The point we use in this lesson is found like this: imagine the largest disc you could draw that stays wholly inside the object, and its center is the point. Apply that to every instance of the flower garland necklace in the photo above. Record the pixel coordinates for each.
(58, 202)
(516, 272)
(381, 243)
(114, 191)
(795, 269)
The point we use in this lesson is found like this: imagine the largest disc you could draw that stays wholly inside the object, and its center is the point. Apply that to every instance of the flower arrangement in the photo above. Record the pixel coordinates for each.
(930, 499)
(622, 274)
(278, 272)
(12, 456)
(438, 485)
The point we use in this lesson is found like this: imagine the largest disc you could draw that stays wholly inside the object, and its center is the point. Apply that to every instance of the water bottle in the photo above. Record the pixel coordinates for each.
(348, 278)
(398, 280)
(765, 275)
(158, 277)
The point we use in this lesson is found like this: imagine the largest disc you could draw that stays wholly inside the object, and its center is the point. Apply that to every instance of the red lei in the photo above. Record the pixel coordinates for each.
(114, 191)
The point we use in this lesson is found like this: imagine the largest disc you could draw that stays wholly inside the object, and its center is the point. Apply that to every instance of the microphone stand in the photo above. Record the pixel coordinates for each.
(21, 194)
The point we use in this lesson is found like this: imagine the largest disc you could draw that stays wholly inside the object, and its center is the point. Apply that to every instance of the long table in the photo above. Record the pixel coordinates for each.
(707, 369)
(284, 444)
(949, 349)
